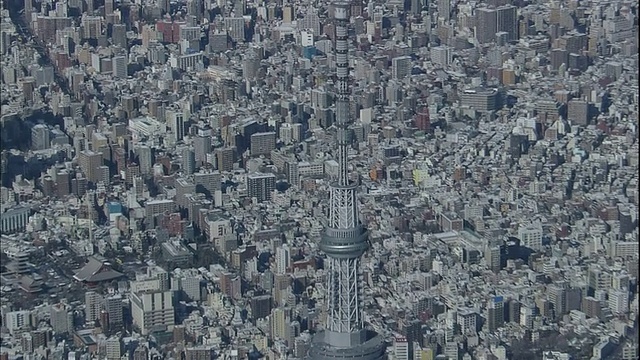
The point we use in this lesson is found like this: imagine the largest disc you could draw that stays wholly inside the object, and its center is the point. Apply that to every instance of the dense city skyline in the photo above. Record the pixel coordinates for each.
(425, 180)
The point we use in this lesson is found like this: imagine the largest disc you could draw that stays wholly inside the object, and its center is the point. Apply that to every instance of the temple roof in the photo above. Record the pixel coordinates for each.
(96, 271)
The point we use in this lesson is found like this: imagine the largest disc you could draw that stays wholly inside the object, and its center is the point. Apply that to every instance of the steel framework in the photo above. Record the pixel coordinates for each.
(344, 239)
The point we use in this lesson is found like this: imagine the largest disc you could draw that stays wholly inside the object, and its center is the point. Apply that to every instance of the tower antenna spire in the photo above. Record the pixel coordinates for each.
(345, 239)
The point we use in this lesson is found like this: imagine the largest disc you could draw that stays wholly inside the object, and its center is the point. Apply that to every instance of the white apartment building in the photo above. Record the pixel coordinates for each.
(283, 259)
(113, 348)
(94, 304)
(187, 282)
(530, 235)
(619, 301)
(61, 318)
(17, 320)
(400, 67)
(400, 348)
(153, 310)
(441, 55)
(623, 248)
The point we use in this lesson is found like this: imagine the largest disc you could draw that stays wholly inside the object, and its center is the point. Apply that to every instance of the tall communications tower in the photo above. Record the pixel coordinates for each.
(345, 239)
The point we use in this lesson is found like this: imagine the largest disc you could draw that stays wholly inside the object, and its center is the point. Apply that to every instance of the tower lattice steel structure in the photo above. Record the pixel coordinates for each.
(345, 238)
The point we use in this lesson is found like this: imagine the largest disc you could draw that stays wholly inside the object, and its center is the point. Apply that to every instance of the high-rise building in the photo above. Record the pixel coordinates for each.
(558, 297)
(175, 120)
(513, 311)
(235, 28)
(90, 162)
(113, 348)
(200, 352)
(260, 306)
(250, 66)
(230, 285)
(557, 57)
(442, 55)
(114, 307)
(218, 41)
(422, 120)
(260, 186)
(152, 309)
(507, 21)
(61, 318)
(63, 183)
(40, 137)
(400, 67)
(283, 259)
(27, 343)
(286, 133)
(28, 87)
(467, 320)
(131, 172)
(287, 14)
(486, 25)
(619, 301)
(104, 174)
(119, 64)
(188, 161)
(345, 238)
(531, 236)
(494, 258)
(495, 313)
(591, 307)
(210, 180)
(93, 303)
(155, 207)
(225, 158)
(263, 143)
(202, 147)
(17, 320)
(184, 187)
(279, 322)
(119, 35)
(292, 171)
(311, 21)
(145, 159)
(578, 112)
(92, 27)
(5, 43)
(444, 9)
(195, 8)
(401, 348)
(108, 7)
(79, 185)
(630, 350)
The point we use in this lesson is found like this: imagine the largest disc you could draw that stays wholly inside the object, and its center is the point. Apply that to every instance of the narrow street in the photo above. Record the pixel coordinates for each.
(17, 16)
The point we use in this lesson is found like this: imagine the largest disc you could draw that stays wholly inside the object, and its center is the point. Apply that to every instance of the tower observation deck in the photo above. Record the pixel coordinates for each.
(345, 239)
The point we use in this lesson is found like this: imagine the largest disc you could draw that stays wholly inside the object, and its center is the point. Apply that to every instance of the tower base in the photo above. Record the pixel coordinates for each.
(373, 348)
